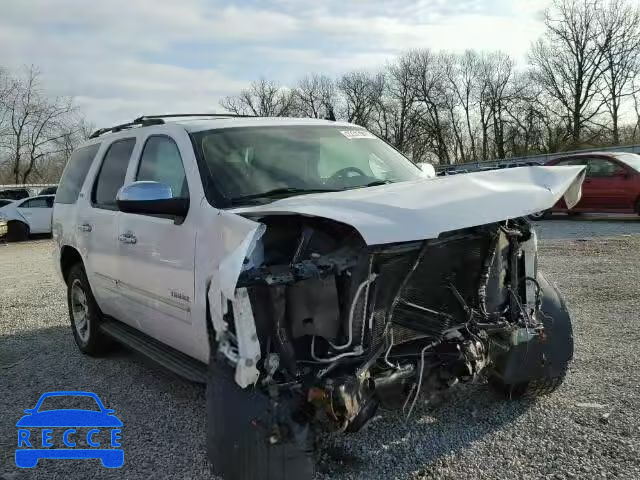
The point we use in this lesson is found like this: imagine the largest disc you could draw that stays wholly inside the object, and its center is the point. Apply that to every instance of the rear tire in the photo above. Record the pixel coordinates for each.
(240, 425)
(17, 231)
(85, 314)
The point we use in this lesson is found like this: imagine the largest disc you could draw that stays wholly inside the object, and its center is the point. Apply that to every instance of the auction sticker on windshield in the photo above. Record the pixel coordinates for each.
(355, 134)
(69, 425)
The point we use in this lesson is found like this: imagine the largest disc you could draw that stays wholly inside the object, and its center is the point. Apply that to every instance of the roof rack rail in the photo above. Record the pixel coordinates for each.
(147, 120)
(174, 115)
(138, 122)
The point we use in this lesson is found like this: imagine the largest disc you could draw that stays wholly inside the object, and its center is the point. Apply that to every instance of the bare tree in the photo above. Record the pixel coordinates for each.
(429, 84)
(35, 125)
(7, 85)
(316, 96)
(50, 124)
(463, 74)
(361, 93)
(636, 109)
(396, 117)
(567, 62)
(263, 98)
(498, 79)
(50, 168)
(620, 41)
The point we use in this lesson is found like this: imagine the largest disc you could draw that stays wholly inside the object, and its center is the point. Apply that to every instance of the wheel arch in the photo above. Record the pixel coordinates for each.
(69, 256)
(18, 221)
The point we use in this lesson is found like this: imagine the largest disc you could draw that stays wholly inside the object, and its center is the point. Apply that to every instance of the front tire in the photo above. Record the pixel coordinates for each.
(243, 426)
(85, 314)
(540, 367)
(530, 389)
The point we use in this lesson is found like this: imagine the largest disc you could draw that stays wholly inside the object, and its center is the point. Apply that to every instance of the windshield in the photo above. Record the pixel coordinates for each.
(260, 164)
(631, 159)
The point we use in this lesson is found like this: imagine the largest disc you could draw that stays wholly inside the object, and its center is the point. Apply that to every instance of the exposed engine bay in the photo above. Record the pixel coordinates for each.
(348, 327)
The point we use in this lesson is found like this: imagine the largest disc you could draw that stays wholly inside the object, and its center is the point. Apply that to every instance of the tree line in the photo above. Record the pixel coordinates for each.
(580, 88)
(37, 132)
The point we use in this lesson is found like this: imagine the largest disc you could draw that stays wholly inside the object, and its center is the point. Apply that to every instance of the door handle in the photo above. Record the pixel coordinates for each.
(127, 238)
(85, 227)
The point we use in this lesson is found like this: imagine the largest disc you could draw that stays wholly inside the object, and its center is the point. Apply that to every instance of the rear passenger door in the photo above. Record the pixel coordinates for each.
(97, 225)
(156, 253)
(37, 211)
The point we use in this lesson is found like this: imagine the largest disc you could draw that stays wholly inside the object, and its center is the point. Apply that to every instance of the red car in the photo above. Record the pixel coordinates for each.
(612, 183)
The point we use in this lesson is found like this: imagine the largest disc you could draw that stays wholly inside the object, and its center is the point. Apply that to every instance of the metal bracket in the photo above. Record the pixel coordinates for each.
(248, 343)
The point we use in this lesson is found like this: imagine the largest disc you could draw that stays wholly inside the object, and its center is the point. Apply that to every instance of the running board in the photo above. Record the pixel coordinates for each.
(170, 358)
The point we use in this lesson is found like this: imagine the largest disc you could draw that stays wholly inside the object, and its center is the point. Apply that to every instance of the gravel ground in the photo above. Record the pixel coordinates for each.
(469, 433)
(561, 227)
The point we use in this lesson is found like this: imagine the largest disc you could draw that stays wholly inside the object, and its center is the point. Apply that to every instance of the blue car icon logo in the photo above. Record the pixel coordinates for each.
(70, 432)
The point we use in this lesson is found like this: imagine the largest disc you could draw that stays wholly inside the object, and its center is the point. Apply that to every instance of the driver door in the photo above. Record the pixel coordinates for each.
(156, 268)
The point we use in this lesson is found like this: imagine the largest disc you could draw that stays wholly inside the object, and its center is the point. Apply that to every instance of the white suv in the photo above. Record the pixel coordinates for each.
(307, 272)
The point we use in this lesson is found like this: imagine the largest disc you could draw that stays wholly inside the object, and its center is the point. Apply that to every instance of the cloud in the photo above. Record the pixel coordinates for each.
(121, 58)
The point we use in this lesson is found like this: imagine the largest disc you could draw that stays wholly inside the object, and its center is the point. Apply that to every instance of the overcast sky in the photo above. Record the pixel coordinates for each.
(123, 58)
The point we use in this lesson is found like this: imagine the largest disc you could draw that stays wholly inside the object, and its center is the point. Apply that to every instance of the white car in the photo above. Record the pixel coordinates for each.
(28, 216)
(307, 272)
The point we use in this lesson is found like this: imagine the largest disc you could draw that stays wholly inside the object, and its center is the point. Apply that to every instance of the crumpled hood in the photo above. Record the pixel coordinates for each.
(425, 208)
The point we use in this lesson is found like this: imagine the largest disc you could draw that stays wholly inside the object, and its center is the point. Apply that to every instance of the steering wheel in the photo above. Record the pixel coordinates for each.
(343, 173)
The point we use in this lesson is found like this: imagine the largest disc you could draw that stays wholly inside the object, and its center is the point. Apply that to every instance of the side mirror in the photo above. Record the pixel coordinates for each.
(29, 410)
(428, 171)
(150, 198)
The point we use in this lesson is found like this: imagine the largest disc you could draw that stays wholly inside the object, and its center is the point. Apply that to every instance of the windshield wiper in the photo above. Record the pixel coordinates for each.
(373, 184)
(281, 191)
(378, 182)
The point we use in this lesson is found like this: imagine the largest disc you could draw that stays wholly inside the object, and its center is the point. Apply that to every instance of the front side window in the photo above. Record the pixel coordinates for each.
(599, 167)
(244, 163)
(112, 172)
(75, 174)
(40, 202)
(161, 162)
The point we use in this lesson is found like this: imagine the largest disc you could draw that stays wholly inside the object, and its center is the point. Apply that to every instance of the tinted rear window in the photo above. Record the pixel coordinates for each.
(75, 173)
(112, 173)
